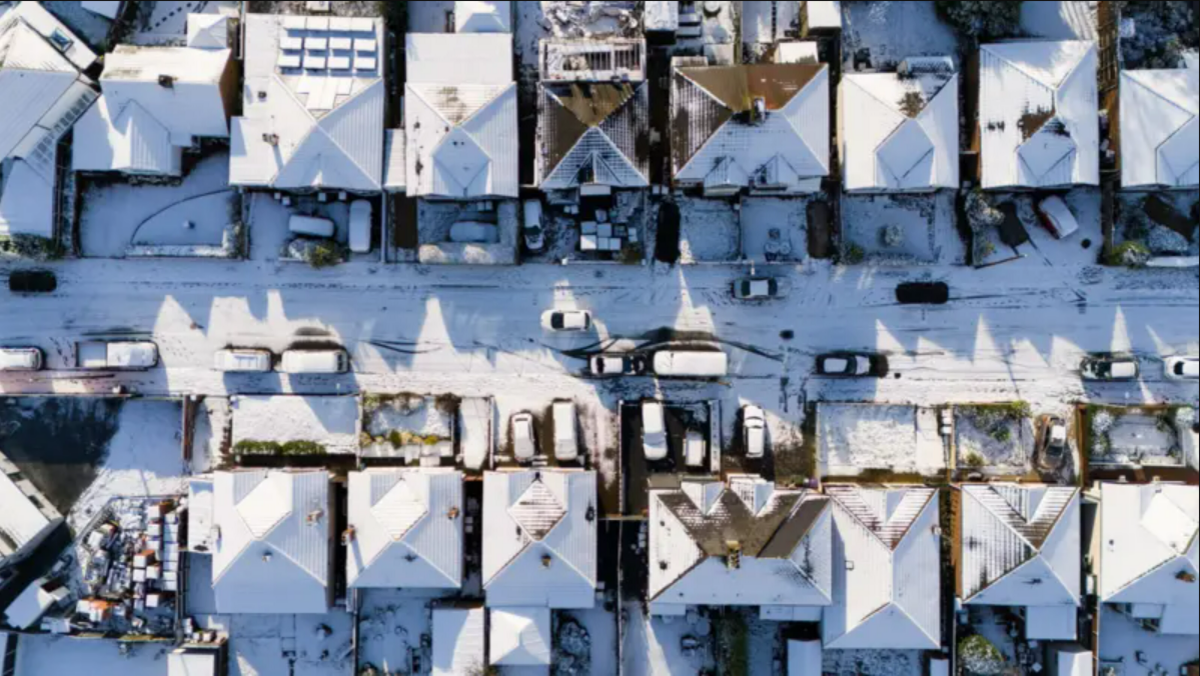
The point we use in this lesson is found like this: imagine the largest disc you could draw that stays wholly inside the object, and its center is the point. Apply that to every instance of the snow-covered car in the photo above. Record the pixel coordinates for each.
(852, 365)
(116, 356)
(1110, 368)
(243, 361)
(315, 362)
(759, 288)
(1056, 217)
(524, 439)
(567, 320)
(360, 226)
(473, 232)
(754, 432)
(1182, 368)
(614, 365)
(654, 431)
(566, 442)
(311, 226)
(1052, 444)
(694, 449)
(535, 236)
(21, 359)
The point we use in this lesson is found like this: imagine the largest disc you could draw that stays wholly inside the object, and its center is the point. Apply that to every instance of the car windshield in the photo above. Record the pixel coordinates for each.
(558, 320)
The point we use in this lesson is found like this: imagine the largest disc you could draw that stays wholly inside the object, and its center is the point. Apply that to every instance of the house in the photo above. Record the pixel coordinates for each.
(1158, 129)
(313, 105)
(746, 543)
(886, 570)
(28, 608)
(405, 529)
(1020, 548)
(540, 538)
(458, 641)
(593, 124)
(460, 111)
(1069, 660)
(1149, 554)
(158, 101)
(45, 92)
(763, 128)
(899, 131)
(273, 553)
(1039, 121)
(483, 16)
(27, 518)
(521, 638)
(193, 662)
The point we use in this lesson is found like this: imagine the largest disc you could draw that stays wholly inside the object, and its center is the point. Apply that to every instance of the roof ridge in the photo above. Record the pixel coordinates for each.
(991, 489)
(1151, 571)
(320, 125)
(1136, 80)
(1024, 71)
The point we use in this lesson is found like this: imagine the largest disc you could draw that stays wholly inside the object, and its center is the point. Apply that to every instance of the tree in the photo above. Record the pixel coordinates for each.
(979, 657)
(982, 19)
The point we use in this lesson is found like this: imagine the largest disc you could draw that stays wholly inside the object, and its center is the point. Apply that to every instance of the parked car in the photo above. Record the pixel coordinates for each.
(567, 320)
(923, 293)
(316, 362)
(754, 432)
(759, 288)
(311, 226)
(32, 281)
(535, 236)
(243, 361)
(1108, 367)
(613, 365)
(524, 438)
(361, 226)
(116, 356)
(21, 359)
(1182, 368)
(474, 232)
(566, 443)
(654, 431)
(1052, 443)
(1056, 217)
(694, 449)
(691, 364)
(852, 365)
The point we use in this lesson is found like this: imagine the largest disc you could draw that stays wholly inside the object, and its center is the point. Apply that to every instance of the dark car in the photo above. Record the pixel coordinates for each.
(923, 293)
(613, 365)
(852, 365)
(32, 281)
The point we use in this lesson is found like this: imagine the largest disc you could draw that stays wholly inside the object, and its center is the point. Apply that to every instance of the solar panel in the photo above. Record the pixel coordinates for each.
(343, 44)
(314, 61)
(341, 23)
(359, 25)
(365, 62)
(339, 63)
(294, 23)
(289, 61)
(318, 44)
(363, 45)
(317, 23)
(292, 43)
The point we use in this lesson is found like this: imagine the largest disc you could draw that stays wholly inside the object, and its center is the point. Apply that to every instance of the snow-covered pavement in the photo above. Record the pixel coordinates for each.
(1007, 333)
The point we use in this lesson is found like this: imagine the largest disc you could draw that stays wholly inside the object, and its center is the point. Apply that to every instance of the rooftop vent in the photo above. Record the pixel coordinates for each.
(547, 561)
(271, 139)
(733, 555)
(266, 557)
(315, 516)
(348, 536)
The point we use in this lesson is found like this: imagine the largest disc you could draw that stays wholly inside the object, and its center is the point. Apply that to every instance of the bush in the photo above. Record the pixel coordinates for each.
(325, 255)
(1129, 254)
(982, 19)
(32, 247)
(892, 235)
(982, 213)
(975, 461)
(854, 255)
(250, 447)
(980, 658)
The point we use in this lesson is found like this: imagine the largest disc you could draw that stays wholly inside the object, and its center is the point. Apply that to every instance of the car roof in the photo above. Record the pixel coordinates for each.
(1124, 369)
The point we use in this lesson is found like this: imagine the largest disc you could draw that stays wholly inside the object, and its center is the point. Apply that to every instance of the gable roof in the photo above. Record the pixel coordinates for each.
(272, 554)
(408, 529)
(1039, 114)
(22, 523)
(1149, 538)
(539, 546)
(1020, 545)
(127, 139)
(899, 133)
(594, 133)
(887, 565)
(483, 16)
(193, 106)
(784, 538)
(1160, 133)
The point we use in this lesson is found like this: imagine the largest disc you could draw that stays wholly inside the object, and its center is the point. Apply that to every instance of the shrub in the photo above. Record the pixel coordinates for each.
(325, 255)
(975, 461)
(892, 235)
(1002, 434)
(980, 658)
(982, 19)
(33, 247)
(251, 447)
(854, 255)
(1129, 254)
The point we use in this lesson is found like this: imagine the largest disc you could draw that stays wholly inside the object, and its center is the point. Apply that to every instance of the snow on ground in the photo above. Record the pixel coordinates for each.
(775, 227)
(165, 21)
(432, 16)
(392, 625)
(332, 422)
(409, 425)
(1044, 249)
(1060, 19)
(268, 222)
(656, 647)
(438, 219)
(879, 35)
(1137, 437)
(286, 645)
(144, 458)
(601, 627)
(857, 437)
(988, 440)
(926, 223)
(116, 214)
(873, 663)
(1122, 640)
(710, 230)
(213, 417)
(45, 655)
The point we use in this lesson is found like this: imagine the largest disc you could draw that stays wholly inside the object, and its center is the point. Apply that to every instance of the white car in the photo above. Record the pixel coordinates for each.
(567, 320)
(1057, 217)
(566, 442)
(1110, 368)
(761, 288)
(243, 361)
(754, 432)
(524, 440)
(654, 431)
(693, 450)
(361, 227)
(535, 236)
(1182, 368)
(21, 359)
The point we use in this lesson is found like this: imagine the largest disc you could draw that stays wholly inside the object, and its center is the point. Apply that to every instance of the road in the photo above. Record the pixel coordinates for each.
(1007, 333)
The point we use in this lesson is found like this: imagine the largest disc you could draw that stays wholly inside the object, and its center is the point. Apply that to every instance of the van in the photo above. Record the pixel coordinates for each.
(693, 450)
(566, 444)
(315, 362)
(654, 431)
(116, 356)
(690, 364)
(360, 227)
(243, 361)
(311, 226)
(20, 359)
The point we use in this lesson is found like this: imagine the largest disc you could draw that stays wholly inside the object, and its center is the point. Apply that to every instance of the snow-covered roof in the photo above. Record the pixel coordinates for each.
(804, 658)
(192, 663)
(27, 196)
(1160, 128)
(313, 110)
(30, 605)
(395, 168)
(824, 14)
(594, 133)
(483, 16)
(539, 543)
(332, 422)
(1039, 115)
(887, 570)
(272, 555)
(1051, 623)
(780, 540)
(208, 31)
(127, 139)
(458, 641)
(1020, 545)
(201, 535)
(408, 529)
(1074, 661)
(520, 637)
(1150, 541)
(460, 110)
(899, 133)
(661, 15)
(764, 125)
(23, 524)
(105, 8)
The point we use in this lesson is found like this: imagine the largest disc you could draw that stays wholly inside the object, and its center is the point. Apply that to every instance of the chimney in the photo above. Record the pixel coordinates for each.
(271, 139)
(166, 81)
(759, 111)
(452, 514)
(266, 557)
(315, 516)
(733, 555)
(547, 561)
(348, 536)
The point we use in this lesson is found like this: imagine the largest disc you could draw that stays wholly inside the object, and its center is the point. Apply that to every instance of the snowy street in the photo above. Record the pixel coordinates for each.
(1008, 332)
